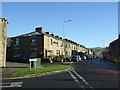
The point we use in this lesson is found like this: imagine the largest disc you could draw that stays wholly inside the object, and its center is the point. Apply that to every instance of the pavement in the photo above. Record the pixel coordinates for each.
(106, 64)
(13, 67)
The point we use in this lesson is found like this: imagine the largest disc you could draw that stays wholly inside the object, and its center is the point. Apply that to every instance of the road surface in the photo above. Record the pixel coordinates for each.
(88, 74)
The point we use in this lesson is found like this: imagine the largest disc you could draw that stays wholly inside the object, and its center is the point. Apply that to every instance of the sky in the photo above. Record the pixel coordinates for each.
(93, 24)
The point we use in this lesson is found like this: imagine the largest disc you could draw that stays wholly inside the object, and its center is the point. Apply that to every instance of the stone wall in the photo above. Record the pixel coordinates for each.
(113, 52)
(3, 38)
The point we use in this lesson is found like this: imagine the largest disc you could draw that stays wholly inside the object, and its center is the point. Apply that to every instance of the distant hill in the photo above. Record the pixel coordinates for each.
(98, 50)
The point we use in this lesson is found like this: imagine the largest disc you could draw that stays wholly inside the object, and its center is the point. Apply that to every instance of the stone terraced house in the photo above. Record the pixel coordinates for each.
(40, 44)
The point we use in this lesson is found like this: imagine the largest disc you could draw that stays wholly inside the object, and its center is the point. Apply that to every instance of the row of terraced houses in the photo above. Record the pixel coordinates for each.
(42, 44)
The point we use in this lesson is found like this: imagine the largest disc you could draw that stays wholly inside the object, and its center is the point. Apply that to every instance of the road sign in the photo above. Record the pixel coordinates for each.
(33, 60)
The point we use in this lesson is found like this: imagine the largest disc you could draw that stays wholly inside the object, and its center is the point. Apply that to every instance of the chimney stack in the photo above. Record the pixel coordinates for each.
(39, 29)
(47, 32)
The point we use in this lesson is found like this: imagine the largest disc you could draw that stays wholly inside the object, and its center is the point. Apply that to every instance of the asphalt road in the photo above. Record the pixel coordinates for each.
(88, 74)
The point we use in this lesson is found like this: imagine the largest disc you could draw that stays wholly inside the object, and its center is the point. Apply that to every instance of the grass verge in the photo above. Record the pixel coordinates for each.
(3, 70)
(49, 68)
(113, 61)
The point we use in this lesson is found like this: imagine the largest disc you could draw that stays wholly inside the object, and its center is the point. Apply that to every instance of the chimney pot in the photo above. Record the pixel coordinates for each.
(56, 36)
(52, 34)
(39, 29)
(47, 32)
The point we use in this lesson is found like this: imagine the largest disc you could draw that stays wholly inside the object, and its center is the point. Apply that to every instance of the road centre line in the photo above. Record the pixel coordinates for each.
(83, 79)
(76, 80)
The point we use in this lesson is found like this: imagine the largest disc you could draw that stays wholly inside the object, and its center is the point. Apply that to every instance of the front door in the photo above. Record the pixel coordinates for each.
(45, 53)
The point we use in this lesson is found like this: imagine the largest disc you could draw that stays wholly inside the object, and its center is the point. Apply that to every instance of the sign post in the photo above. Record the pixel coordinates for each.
(33, 60)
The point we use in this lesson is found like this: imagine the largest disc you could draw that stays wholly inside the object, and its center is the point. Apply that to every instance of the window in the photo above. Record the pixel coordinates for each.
(57, 43)
(65, 45)
(74, 47)
(33, 53)
(51, 42)
(61, 44)
(62, 52)
(51, 52)
(69, 45)
(57, 52)
(17, 53)
(17, 41)
(33, 41)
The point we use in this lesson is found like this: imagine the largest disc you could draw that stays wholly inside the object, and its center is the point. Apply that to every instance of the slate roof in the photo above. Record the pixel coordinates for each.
(30, 34)
(36, 33)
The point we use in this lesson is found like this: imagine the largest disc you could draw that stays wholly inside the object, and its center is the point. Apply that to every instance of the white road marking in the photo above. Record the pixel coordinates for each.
(76, 80)
(83, 79)
(11, 84)
(115, 72)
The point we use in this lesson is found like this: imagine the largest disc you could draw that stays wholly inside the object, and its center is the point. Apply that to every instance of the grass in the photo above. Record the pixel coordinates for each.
(114, 61)
(48, 68)
(3, 70)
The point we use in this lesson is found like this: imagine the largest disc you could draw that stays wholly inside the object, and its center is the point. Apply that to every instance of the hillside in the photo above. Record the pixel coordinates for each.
(98, 50)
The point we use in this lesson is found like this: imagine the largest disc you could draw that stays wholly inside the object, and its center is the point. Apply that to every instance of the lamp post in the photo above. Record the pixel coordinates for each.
(64, 38)
(103, 42)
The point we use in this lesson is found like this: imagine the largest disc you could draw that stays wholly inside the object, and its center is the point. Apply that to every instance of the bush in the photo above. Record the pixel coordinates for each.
(51, 57)
(57, 58)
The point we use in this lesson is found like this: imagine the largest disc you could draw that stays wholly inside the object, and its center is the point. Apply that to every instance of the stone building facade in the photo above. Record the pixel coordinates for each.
(3, 39)
(113, 51)
(42, 44)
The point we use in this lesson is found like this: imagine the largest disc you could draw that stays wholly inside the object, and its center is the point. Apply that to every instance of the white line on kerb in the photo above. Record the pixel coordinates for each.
(83, 79)
(12, 84)
(76, 80)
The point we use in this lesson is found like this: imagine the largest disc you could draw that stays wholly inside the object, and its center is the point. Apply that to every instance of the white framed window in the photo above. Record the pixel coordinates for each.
(33, 41)
(61, 44)
(57, 44)
(51, 41)
(57, 52)
(17, 42)
(51, 52)
(74, 47)
(69, 45)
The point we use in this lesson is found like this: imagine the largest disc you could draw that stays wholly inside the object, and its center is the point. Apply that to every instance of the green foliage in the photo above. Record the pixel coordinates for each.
(3, 70)
(51, 57)
(57, 58)
(99, 49)
(111, 60)
(48, 68)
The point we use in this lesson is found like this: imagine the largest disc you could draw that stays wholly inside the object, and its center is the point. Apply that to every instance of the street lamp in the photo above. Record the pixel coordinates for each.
(63, 27)
(64, 37)
(103, 42)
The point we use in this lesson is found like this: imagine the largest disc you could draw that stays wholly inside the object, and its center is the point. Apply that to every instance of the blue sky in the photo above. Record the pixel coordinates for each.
(94, 24)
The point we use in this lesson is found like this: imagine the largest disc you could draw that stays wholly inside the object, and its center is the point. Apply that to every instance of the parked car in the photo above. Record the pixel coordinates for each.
(67, 59)
(83, 57)
(75, 58)
(89, 57)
